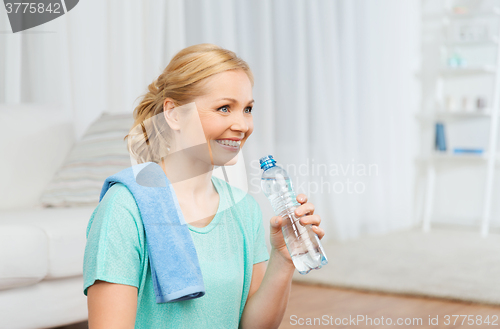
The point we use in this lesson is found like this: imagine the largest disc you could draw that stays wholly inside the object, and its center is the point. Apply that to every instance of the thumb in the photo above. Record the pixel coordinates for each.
(276, 222)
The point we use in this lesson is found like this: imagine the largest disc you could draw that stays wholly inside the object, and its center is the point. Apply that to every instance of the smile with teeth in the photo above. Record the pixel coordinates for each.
(228, 142)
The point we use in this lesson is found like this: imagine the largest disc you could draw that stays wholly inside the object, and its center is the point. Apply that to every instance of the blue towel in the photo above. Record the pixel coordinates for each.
(175, 270)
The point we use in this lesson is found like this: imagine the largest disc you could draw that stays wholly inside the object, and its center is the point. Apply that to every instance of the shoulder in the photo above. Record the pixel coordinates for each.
(252, 203)
(118, 193)
(120, 199)
(117, 207)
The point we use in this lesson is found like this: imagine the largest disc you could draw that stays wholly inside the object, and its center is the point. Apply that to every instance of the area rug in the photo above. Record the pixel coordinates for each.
(447, 263)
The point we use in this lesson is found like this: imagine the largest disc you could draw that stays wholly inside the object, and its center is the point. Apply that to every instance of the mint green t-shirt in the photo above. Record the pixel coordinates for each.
(227, 248)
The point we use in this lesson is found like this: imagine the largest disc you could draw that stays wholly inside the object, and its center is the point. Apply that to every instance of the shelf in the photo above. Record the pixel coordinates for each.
(454, 115)
(461, 71)
(468, 70)
(494, 12)
(492, 41)
(448, 156)
(451, 16)
(452, 156)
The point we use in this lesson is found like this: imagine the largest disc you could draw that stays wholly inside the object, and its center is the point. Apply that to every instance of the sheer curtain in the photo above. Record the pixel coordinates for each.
(334, 87)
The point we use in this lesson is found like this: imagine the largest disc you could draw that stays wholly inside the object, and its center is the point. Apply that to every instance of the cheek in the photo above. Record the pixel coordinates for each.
(211, 128)
(250, 128)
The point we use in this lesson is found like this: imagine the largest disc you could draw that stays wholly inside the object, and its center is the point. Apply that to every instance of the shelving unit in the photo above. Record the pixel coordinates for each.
(490, 157)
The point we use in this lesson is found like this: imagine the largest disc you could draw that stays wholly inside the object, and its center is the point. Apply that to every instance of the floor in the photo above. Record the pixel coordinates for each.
(329, 305)
(334, 304)
(449, 262)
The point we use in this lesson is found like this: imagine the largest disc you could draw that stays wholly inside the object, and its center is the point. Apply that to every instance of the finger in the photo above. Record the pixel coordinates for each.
(312, 219)
(301, 198)
(319, 231)
(304, 209)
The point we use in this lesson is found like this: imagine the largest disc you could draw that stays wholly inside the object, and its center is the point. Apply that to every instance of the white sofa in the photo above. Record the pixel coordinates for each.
(41, 249)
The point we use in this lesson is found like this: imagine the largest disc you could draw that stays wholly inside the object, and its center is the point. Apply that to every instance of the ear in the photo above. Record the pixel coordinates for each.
(171, 114)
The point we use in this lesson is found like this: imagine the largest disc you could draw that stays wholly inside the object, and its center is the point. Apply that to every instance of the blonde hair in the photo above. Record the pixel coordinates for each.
(182, 80)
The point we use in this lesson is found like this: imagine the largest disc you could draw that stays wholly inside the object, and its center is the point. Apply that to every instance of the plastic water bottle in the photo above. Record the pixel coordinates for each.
(301, 241)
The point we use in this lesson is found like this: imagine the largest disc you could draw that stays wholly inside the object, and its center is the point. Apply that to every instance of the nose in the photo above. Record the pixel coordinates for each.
(240, 122)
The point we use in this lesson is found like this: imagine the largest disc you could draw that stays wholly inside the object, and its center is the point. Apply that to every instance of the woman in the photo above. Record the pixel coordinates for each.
(204, 98)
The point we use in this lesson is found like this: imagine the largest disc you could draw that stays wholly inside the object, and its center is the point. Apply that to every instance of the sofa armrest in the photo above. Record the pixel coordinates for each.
(23, 255)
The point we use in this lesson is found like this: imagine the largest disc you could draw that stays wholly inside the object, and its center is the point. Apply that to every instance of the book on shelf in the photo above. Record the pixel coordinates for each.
(464, 150)
(440, 141)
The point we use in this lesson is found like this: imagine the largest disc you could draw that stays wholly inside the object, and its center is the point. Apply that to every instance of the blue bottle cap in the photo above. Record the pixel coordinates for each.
(267, 162)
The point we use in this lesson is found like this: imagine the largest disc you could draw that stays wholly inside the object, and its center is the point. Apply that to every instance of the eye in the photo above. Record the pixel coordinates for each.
(223, 107)
(250, 108)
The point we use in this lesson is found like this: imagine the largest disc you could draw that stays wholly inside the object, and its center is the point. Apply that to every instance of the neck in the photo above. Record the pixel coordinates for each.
(191, 178)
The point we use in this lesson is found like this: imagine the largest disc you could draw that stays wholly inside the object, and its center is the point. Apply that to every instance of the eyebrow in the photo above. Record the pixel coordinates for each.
(233, 100)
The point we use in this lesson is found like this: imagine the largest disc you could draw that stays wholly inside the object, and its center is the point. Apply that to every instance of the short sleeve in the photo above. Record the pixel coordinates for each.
(260, 249)
(113, 251)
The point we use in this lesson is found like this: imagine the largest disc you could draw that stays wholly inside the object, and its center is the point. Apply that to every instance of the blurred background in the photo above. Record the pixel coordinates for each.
(385, 113)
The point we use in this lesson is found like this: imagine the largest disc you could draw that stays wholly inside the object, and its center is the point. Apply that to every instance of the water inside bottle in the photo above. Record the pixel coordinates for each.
(302, 243)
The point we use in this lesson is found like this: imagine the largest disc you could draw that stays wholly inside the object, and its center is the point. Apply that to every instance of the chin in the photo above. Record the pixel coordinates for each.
(225, 160)
(223, 157)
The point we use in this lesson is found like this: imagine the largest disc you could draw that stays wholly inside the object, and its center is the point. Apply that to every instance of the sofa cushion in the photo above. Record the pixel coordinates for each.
(34, 141)
(100, 153)
(51, 242)
(23, 255)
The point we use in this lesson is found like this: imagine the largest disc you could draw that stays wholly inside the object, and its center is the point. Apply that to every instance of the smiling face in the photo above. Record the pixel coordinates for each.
(225, 114)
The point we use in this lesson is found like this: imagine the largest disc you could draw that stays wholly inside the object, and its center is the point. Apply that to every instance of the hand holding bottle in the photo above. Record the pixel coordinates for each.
(276, 235)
